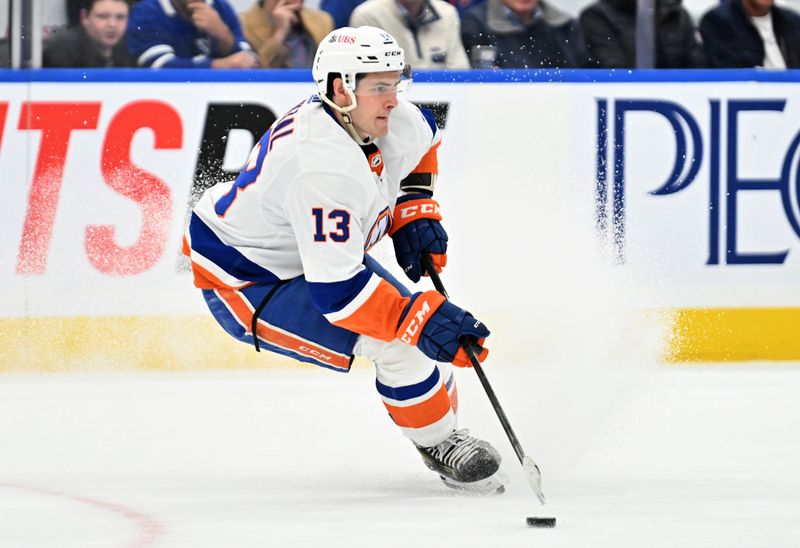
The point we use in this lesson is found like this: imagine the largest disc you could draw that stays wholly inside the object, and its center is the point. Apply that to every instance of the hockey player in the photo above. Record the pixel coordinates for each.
(281, 253)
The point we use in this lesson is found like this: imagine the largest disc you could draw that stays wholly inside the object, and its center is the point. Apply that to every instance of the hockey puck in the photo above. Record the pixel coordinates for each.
(541, 522)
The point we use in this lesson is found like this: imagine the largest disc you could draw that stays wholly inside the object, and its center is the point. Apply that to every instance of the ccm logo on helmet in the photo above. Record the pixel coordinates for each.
(391, 53)
(413, 210)
(413, 325)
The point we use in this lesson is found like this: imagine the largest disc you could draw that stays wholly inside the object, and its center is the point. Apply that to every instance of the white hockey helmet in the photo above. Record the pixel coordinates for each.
(349, 51)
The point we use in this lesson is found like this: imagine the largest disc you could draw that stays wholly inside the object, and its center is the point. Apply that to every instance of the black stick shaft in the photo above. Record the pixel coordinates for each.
(437, 281)
(476, 365)
(512, 437)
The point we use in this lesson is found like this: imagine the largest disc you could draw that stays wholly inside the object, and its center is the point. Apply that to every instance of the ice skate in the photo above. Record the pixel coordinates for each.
(465, 463)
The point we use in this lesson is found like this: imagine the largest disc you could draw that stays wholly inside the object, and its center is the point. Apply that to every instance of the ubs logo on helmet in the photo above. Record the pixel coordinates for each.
(689, 155)
(343, 39)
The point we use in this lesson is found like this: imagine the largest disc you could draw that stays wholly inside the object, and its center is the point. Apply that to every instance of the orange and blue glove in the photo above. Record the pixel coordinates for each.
(416, 230)
(441, 329)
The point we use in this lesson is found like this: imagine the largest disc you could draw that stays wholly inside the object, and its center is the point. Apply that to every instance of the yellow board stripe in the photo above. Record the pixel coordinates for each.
(125, 343)
(735, 334)
(191, 343)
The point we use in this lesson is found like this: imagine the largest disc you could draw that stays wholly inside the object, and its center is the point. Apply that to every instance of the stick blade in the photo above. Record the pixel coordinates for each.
(534, 477)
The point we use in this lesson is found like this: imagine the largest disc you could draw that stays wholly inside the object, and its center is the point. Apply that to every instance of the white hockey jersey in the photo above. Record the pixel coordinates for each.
(311, 202)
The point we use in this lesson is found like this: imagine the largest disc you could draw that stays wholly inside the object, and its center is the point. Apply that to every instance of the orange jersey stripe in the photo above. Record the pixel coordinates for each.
(379, 315)
(205, 279)
(242, 310)
(202, 277)
(430, 162)
(421, 414)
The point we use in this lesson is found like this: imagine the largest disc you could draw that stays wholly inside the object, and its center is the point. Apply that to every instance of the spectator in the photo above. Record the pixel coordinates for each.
(5, 53)
(609, 28)
(99, 40)
(463, 5)
(340, 10)
(74, 8)
(283, 33)
(751, 33)
(186, 34)
(428, 30)
(522, 34)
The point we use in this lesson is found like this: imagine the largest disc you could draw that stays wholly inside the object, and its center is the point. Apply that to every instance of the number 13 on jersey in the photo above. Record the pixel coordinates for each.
(341, 231)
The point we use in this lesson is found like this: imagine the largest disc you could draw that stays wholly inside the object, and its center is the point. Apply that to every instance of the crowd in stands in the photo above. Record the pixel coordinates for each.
(437, 34)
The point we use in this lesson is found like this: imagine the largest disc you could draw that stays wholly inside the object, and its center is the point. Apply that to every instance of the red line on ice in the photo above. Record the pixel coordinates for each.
(150, 528)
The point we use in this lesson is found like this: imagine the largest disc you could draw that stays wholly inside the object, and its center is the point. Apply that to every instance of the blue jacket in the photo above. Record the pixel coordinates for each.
(340, 10)
(159, 37)
(732, 41)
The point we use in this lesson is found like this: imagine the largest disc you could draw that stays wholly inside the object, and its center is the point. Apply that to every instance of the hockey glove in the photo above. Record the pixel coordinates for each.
(439, 329)
(416, 230)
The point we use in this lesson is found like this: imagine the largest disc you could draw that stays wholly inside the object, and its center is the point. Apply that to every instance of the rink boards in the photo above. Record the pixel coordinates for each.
(680, 187)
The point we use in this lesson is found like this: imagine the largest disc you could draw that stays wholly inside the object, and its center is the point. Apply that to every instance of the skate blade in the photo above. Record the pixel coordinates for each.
(493, 485)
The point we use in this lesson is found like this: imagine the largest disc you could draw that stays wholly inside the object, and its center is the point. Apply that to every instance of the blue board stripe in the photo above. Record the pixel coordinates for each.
(508, 76)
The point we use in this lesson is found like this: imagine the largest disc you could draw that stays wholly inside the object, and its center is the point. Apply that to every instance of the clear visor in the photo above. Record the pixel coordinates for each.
(386, 87)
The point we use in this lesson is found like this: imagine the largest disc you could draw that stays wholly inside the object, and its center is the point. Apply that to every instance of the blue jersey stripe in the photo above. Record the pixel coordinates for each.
(333, 296)
(402, 393)
(246, 177)
(207, 244)
(285, 122)
(430, 118)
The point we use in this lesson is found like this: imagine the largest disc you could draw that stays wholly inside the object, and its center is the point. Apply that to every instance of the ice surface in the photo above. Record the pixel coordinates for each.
(702, 456)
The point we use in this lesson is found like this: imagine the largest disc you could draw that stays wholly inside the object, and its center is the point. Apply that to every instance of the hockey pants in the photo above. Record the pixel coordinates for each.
(420, 395)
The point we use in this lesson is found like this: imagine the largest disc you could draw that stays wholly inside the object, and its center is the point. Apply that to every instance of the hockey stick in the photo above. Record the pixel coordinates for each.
(530, 468)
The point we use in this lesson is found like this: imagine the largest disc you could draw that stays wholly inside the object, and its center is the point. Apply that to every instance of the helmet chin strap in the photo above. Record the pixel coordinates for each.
(348, 121)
